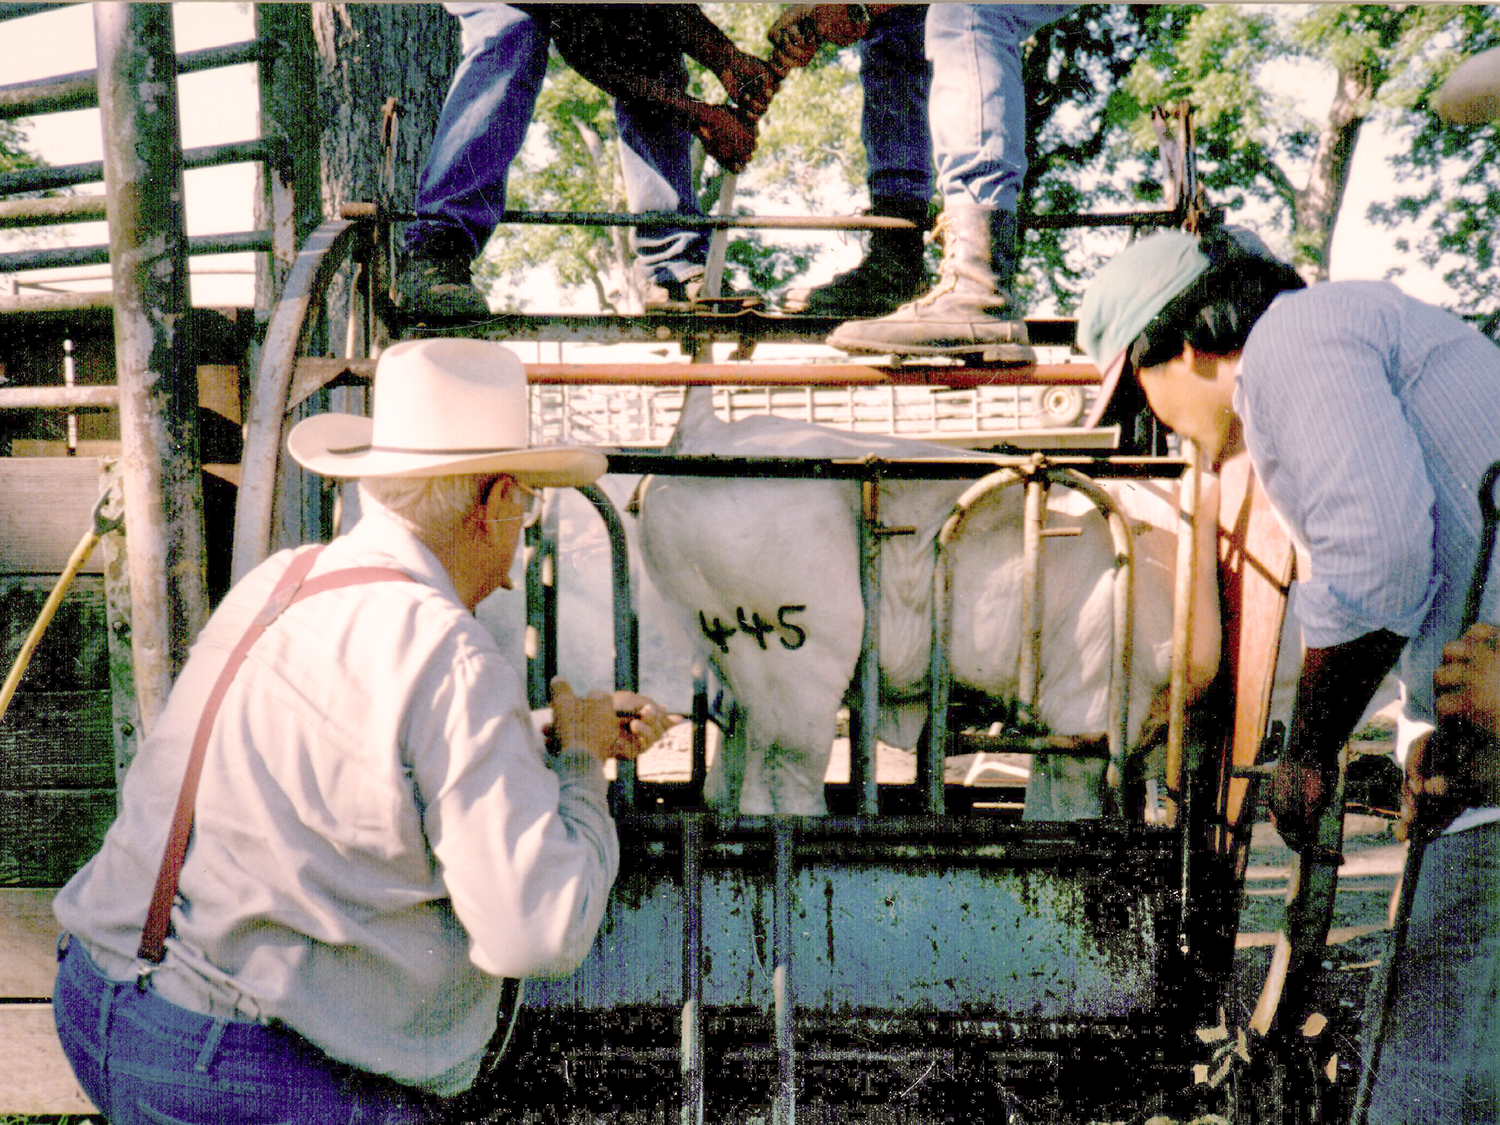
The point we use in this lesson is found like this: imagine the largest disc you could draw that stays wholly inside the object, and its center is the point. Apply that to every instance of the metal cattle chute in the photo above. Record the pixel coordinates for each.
(920, 944)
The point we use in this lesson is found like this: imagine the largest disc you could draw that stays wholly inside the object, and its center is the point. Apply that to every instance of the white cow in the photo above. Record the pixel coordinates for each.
(765, 576)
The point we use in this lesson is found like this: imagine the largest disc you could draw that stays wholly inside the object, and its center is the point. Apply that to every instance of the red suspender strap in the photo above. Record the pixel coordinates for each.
(292, 587)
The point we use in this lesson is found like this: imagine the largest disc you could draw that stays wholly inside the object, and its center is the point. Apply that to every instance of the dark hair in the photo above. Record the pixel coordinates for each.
(1216, 312)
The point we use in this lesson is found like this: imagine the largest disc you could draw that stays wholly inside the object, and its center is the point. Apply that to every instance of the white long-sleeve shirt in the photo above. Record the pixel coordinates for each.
(379, 835)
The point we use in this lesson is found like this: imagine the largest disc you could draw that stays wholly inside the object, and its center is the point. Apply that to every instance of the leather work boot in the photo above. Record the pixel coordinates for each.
(435, 281)
(969, 311)
(894, 270)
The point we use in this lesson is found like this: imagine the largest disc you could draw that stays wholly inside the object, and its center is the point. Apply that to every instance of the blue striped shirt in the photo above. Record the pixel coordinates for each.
(1370, 418)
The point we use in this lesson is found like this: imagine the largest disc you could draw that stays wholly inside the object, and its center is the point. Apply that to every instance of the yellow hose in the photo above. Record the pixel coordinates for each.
(76, 561)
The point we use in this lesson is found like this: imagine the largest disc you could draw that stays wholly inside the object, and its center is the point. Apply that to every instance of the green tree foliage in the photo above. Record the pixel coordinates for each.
(13, 154)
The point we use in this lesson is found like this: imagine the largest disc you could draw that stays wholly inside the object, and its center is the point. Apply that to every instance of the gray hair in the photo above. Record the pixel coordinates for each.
(433, 507)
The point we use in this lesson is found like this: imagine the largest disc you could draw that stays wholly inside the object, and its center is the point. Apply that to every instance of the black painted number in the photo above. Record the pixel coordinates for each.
(796, 632)
(790, 635)
(756, 627)
(718, 632)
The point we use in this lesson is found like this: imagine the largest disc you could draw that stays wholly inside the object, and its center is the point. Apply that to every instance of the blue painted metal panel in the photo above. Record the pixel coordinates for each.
(950, 928)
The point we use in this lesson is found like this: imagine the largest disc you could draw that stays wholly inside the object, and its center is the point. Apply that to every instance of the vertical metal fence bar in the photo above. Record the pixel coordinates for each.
(627, 625)
(784, 1108)
(1182, 631)
(1028, 679)
(700, 731)
(930, 762)
(155, 361)
(541, 606)
(862, 730)
(692, 970)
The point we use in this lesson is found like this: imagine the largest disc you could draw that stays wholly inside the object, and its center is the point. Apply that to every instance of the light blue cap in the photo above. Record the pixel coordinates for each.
(1132, 288)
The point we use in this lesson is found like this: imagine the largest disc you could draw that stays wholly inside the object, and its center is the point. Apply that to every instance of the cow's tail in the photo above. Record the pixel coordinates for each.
(696, 419)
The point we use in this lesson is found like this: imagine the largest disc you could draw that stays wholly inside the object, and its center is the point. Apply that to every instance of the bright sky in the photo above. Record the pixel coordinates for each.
(220, 106)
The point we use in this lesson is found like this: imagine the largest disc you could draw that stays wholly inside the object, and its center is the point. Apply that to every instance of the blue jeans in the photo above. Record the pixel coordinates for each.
(461, 192)
(143, 1061)
(978, 104)
(1440, 1061)
(896, 76)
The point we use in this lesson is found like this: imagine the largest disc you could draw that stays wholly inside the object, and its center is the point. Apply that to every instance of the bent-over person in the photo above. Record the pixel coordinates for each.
(379, 837)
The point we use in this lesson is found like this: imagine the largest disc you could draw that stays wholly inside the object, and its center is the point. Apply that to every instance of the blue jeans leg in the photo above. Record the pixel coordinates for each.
(978, 104)
(144, 1061)
(656, 163)
(1439, 1062)
(896, 77)
(461, 192)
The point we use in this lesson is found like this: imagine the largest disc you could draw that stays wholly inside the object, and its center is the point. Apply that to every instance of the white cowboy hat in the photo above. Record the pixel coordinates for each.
(1471, 94)
(442, 407)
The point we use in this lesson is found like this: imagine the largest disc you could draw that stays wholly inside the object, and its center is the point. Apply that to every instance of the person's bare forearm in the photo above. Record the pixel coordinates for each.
(1335, 687)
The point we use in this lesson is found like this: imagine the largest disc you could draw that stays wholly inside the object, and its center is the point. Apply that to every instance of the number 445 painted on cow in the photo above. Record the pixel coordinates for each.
(791, 636)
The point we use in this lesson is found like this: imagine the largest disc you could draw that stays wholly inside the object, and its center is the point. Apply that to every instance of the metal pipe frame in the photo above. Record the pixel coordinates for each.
(1169, 218)
(1033, 470)
(155, 367)
(316, 263)
(783, 991)
(1182, 632)
(541, 606)
(64, 257)
(80, 88)
(627, 624)
(44, 212)
(866, 714)
(206, 156)
(692, 971)
(58, 398)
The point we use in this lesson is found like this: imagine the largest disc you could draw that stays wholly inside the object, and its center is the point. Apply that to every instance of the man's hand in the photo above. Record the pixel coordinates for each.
(584, 724)
(750, 82)
(1299, 793)
(1467, 682)
(641, 722)
(800, 30)
(725, 135)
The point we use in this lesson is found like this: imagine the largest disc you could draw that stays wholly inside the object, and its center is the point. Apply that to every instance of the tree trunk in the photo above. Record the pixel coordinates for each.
(355, 90)
(1317, 205)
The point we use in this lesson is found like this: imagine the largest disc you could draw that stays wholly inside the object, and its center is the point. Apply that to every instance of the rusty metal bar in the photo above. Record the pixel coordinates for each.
(862, 733)
(1182, 627)
(80, 89)
(1123, 652)
(155, 366)
(767, 374)
(864, 468)
(58, 398)
(66, 175)
(627, 625)
(44, 212)
(784, 996)
(814, 374)
(940, 673)
(1123, 603)
(69, 256)
(692, 970)
(316, 263)
(693, 222)
(1033, 519)
(809, 222)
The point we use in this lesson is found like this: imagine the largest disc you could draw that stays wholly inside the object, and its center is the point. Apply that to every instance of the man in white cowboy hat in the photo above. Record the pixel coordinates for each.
(1370, 418)
(379, 839)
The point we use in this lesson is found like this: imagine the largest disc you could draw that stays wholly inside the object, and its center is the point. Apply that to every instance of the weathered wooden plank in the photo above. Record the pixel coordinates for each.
(28, 943)
(48, 834)
(58, 740)
(74, 652)
(35, 1077)
(46, 504)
